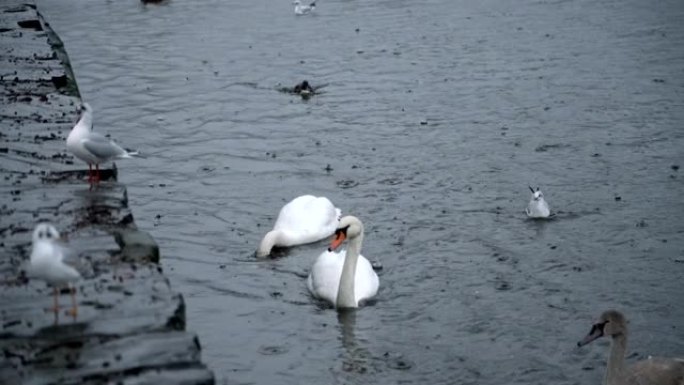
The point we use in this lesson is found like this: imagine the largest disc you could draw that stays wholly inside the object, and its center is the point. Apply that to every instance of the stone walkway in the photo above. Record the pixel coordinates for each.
(130, 328)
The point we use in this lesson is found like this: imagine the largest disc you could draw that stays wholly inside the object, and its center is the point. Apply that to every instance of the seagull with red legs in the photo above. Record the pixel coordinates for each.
(92, 147)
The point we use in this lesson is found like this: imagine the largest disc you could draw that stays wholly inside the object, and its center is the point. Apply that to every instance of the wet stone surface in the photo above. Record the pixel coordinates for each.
(130, 326)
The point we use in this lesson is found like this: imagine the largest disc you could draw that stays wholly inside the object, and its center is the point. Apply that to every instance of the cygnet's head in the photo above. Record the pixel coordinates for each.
(45, 232)
(350, 227)
(536, 194)
(611, 323)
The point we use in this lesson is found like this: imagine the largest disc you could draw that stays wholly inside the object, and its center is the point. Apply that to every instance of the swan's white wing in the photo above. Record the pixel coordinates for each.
(308, 219)
(324, 279)
(323, 215)
(366, 281)
(657, 370)
(293, 213)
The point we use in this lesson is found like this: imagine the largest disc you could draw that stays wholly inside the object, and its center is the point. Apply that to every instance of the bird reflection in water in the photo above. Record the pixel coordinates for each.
(356, 358)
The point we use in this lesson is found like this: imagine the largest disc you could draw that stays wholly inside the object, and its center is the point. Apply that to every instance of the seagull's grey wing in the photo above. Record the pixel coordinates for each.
(51, 251)
(71, 258)
(66, 254)
(101, 147)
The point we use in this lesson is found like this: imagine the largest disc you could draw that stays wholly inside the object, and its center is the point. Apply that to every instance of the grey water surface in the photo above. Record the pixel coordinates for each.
(434, 118)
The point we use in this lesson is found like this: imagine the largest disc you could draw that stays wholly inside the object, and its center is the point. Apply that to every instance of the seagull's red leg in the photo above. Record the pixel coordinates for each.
(56, 301)
(74, 309)
(90, 173)
(55, 306)
(97, 168)
(55, 309)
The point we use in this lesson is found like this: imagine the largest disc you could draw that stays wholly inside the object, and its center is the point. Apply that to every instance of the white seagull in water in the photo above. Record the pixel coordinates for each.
(303, 9)
(537, 208)
(48, 262)
(91, 147)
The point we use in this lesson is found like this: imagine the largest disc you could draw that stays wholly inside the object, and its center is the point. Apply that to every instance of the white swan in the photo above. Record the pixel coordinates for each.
(652, 371)
(304, 220)
(537, 208)
(346, 278)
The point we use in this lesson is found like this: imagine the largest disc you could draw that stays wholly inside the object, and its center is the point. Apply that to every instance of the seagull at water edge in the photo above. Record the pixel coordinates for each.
(91, 147)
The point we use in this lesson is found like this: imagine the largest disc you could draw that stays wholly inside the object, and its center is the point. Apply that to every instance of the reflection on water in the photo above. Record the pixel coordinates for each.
(97, 205)
(62, 331)
(355, 356)
(434, 121)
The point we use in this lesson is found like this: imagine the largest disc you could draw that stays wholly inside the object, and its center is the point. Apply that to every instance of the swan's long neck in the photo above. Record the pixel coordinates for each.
(270, 240)
(345, 293)
(616, 360)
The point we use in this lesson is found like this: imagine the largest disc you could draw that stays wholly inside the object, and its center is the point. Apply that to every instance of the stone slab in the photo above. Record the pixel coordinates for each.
(130, 327)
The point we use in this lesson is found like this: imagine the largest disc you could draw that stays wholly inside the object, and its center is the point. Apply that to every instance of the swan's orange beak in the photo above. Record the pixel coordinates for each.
(340, 236)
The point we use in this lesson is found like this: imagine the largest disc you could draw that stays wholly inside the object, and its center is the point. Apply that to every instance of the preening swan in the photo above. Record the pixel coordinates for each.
(346, 278)
(652, 371)
(304, 220)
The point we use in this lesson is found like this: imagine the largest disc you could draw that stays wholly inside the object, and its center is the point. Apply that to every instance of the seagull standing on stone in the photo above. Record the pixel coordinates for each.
(91, 147)
(48, 263)
(537, 208)
(303, 9)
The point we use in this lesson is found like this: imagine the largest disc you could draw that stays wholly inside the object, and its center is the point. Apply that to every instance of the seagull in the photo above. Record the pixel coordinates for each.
(91, 147)
(48, 263)
(303, 9)
(537, 208)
